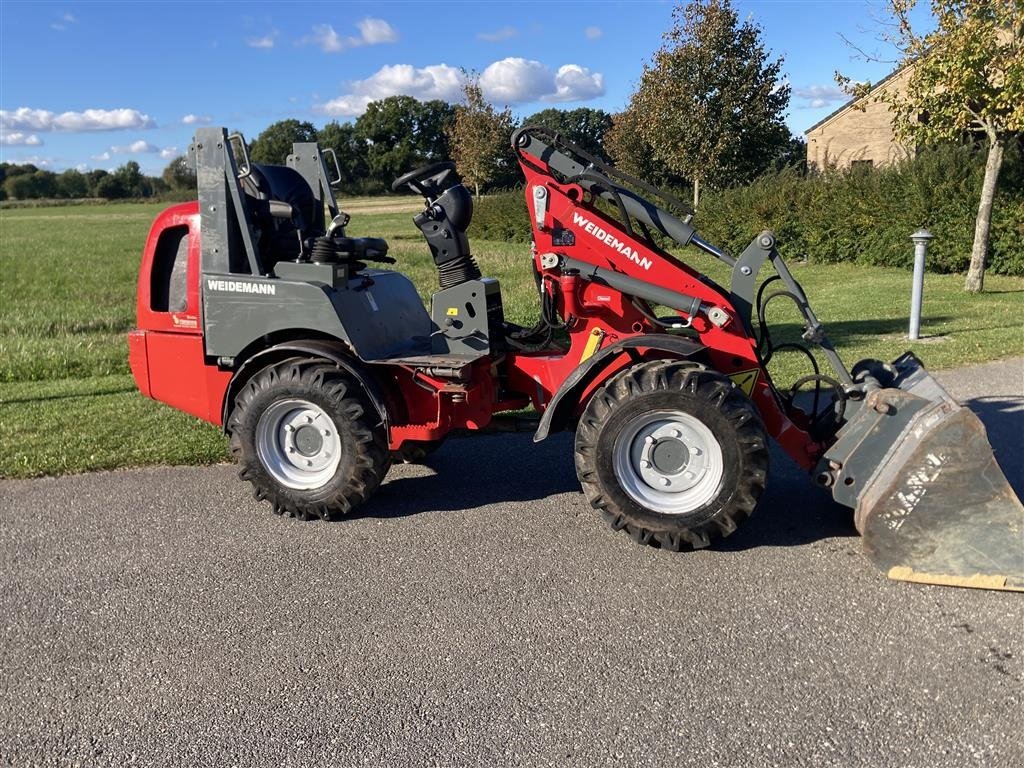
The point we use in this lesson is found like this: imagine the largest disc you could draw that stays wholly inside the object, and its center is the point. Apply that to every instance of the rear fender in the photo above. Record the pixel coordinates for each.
(562, 406)
(313, 348)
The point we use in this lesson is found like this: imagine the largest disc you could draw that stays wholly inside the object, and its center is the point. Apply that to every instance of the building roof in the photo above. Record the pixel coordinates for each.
(851, 102)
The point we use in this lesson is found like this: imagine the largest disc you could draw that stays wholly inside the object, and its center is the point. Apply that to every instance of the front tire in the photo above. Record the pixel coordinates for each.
(305, 434)
(672, 453)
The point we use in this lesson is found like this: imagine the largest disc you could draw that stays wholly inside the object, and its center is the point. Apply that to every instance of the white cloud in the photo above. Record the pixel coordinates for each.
(576, 83)
(36, 160)
(371, 32)
(515, 80)
(64, 21)
(498, 35)
(376, 31)
(19, 139)
(324, 36)
(26, 119)
(168, 153)
(509, 81)
(438, 81)
(139, 147)
(518, 80)
(196, 119)
(593, 33)
(815, 96)
(267, 41)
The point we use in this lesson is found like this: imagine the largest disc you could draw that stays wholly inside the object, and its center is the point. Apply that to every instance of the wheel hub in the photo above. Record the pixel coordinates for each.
(669, 455)
(308, 440)
(668, 461)
(298, 444)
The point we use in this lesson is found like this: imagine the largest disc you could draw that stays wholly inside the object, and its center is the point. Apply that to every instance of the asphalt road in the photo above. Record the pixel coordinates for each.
(478, 613)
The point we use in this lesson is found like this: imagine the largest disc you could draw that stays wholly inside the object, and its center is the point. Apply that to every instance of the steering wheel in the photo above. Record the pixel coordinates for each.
(426, 180)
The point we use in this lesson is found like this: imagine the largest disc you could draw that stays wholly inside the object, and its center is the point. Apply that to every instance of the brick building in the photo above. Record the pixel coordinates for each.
(860, 131)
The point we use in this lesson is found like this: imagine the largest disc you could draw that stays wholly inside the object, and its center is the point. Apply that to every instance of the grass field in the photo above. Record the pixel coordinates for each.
(67, 291)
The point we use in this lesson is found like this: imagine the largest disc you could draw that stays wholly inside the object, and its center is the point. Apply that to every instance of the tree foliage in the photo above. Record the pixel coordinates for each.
(584, 126)
(479, 137)
(965, 76)
(350, 151)
(179, 174)
(275, 143)
(710, 105)
(401, 133)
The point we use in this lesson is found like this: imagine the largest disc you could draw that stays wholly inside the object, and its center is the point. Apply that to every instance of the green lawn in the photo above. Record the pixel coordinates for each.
(67, 288)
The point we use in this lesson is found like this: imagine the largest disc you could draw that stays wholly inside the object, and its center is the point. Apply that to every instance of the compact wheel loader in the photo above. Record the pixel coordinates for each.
(257, 312)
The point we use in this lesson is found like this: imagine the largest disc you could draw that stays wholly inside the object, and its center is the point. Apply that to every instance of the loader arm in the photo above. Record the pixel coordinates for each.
(930, 499)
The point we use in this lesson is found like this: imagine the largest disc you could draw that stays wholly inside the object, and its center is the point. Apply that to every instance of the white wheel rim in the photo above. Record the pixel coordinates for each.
(668, 462)
(298, 444)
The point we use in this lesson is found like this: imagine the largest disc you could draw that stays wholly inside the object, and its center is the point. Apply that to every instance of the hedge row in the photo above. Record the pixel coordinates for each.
(860, 216)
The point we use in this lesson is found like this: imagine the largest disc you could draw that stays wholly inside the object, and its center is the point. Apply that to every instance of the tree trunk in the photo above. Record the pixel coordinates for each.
(976, 273)
(476, 186)
(696, 192)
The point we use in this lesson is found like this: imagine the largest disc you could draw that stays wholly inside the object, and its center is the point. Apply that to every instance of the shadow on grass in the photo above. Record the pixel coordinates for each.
(844, 332)
(68, 396)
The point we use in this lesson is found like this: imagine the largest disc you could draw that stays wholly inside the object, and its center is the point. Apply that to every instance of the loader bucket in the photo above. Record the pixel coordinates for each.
(929, 498)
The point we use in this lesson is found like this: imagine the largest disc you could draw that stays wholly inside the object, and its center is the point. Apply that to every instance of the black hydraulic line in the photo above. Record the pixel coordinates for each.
(565, 167)
(689, 305)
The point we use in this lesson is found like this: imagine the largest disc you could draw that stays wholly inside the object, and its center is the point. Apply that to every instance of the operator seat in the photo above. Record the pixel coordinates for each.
(279, 235)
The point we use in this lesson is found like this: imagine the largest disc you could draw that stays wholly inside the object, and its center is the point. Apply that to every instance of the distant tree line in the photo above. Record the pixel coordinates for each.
(27, 182)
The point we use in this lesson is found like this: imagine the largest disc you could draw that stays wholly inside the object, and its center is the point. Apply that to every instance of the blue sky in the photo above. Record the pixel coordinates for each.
(92, 85)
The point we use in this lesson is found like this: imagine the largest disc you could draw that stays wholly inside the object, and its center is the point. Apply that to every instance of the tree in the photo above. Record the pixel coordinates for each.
(72, 184)
(275, 143)
(111, 187)
(711, 103)
(401, 133)
(179, 174)
(966, 76)
(584, 126)
(630, 151)
(350, 151)
(93, 179)
(130, 177)
(20, 187)
(479, 137)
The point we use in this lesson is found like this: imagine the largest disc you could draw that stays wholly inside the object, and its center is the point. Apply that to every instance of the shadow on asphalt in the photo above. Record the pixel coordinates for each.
(1003, 418)
(474, 472)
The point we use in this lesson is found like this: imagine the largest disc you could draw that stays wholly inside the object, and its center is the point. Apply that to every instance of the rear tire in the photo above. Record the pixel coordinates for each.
(672, 453)
(305, 434)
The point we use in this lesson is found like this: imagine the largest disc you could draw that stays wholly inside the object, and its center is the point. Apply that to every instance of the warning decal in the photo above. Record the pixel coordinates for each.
(745, 380)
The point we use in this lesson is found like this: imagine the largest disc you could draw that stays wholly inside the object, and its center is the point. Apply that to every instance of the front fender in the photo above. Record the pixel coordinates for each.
(563, 404)
(306, 348)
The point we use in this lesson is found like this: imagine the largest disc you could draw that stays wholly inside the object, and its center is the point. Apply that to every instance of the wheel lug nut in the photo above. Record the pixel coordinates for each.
(309, 419)
(645, 464)
(327, 433)
(291, 449)
(309, 462)
(649, 439)
(676, 434)
(695, 451)
(688, 475)
(289, 428)
(663, 481)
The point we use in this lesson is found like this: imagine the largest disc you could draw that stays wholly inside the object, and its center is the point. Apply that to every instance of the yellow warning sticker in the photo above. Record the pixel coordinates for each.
(745, 380)
(453, 311)
(593, 344)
